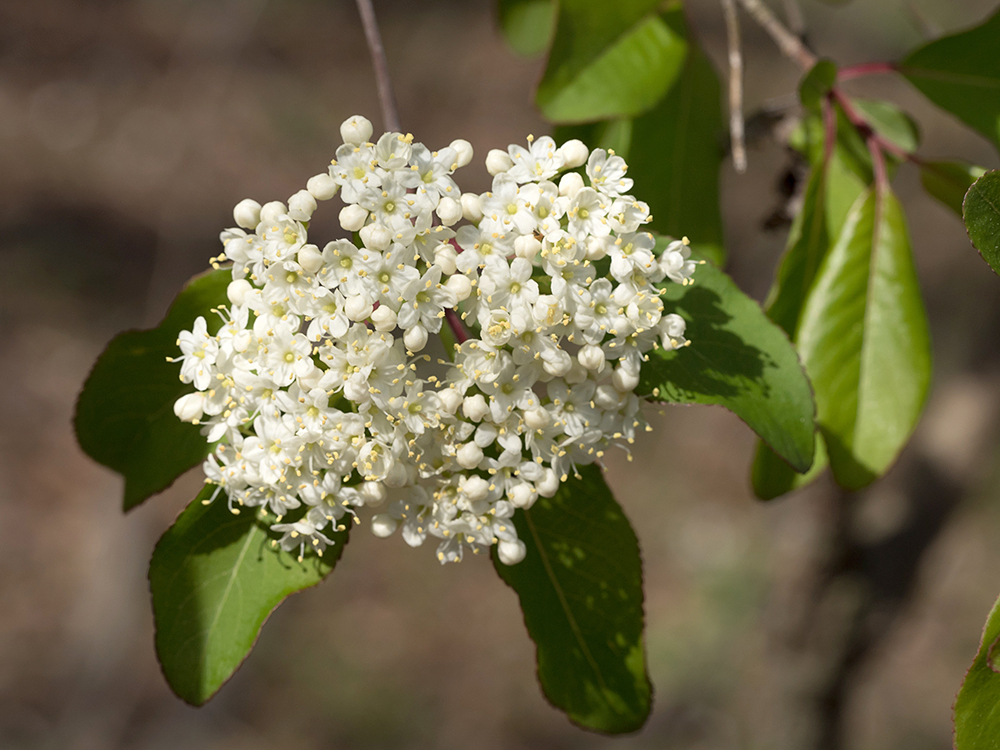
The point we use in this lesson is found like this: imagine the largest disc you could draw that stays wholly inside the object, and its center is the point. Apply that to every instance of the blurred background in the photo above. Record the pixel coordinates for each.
(129, 129)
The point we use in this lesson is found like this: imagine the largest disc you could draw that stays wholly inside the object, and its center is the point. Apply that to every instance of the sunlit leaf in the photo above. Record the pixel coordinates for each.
(982, 217)
(977, 708)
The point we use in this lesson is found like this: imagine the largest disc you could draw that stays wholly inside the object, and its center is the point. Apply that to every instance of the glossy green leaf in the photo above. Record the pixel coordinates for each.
(961, 74)
(527, 24)
(124, 415)
(737, 359)
(215, 578)
(863, 338)
(890, 121)
(982, 217)
(949, 181)
(977, 708)
(580, 588)
(608, 60)
(817, 84)
(674, 151)
(771, 476)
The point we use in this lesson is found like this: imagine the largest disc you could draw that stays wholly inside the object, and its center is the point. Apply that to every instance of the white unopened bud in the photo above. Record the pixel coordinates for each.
(358, 307)
(624, 380)
(353, 217)
(560, 364)
(237, 291)
(607, 397)
(272, 211)
(247, 213)
(537, 418)
(376, 237)
(511, 553)
(575, 374)
(301, 206)
(189, 408)
(476, 488)
(373, 493)
(592, 357)
(356, 130)
(526, 246)
(498, 161)
(449, 211)
(397, 476)
(522, 495)
(460, 286)
(310, 258)
(574, 153)
(475, 407)
(570, 184)
(451, 400)
(469, 456)
(383, 318)
(383, 525)
(471, 209)
(322, 186)
(464, 151)
(444, 257)
(309, 378)
(415, 338)
(597, 248)
(548, 485)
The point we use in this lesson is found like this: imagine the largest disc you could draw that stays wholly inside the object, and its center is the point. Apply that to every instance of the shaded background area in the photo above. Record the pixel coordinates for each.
(129, 129)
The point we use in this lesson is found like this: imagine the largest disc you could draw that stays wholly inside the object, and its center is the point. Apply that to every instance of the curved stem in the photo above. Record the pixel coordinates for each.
(789, 44)
(865, 69)
(386, 98)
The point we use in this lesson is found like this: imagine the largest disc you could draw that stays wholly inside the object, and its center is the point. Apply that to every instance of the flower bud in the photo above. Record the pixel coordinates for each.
(444, 257)
(356, 130)
(469, 456)
(570, 184)
(384, 319)
(188, 408)
(592, 357)
(376, 237)
(310, 258)
(247, 213)
(383, 525)
(397, 475)
(451, 400)
(373, 493)
(358, 307)
(607, 397)
(322, 186)
(352, 217)
(301, 206)
(470, 208)
(576, 373)
(237, 291)
(624, 380)
(460, 286)
(522, 495)
(415, 338)
(537, 418)
(597, 248)
(272, 211)
(475, 407)
(548, 485)
(498, 161)
(559, 364)
(449, 211)
(574, 153)
(526, 246)
(475, 487)
(511, 553)
(464, 151)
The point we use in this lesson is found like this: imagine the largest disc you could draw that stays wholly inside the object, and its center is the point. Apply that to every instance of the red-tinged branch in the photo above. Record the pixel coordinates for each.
(457, 326)
(866, 69)
(386, 98)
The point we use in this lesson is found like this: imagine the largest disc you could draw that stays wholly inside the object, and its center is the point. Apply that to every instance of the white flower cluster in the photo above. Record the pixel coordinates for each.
(312, 387)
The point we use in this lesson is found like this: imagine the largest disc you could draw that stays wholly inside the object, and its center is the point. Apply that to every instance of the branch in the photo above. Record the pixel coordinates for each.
(789, 44)
(735, 87)
(387, 100)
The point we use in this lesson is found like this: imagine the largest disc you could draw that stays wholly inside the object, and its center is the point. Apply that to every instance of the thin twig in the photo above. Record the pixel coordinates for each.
(789, 44)
(865, 69)
(793, 16)
(387, 100)
(735, 87)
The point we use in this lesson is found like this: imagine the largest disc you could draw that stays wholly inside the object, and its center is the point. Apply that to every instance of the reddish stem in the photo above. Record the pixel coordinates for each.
(456, 326)
(865, 69)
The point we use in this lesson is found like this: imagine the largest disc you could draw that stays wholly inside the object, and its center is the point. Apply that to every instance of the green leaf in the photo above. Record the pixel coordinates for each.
(527, 24)
(864, 341)
(738, 359)
(961, 74)
(982, 217)
(890, 121)
(949, 181)
(124, 415)
(580, 587)
(977, 708)
(817, 84)
(608, 60)
(674, 151)
(215, 579)
(771, 476)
